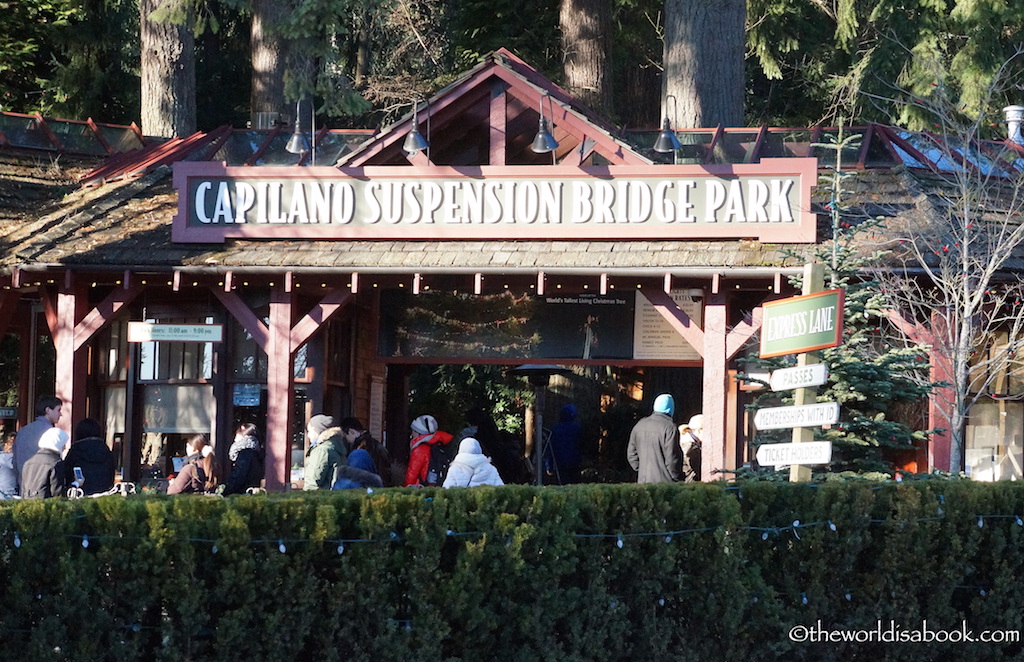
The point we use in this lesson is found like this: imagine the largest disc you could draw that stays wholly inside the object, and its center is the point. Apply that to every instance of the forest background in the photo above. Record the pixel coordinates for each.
(797, 62)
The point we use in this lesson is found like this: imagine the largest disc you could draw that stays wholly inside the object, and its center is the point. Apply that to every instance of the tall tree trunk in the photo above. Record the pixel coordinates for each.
(269, 62)
(586, 44)
(704, 48)
(168, 72)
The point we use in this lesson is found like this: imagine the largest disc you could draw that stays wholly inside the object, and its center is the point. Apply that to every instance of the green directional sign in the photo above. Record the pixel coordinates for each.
(802, 324)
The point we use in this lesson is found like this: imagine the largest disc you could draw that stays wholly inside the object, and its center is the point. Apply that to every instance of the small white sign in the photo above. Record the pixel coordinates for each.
(801, 376)
(807, 452)
(150, 332)
(802, 416)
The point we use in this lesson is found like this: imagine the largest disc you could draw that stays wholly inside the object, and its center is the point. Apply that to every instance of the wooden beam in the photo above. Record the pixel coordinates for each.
(243, 315)
(311, 322)
(498, 120)
(103, 313)
(715, 385)
(742, 332)
(280, 382)
(680, 321)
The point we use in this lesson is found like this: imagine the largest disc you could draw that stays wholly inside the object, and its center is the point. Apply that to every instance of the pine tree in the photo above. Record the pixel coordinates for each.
(876, 384)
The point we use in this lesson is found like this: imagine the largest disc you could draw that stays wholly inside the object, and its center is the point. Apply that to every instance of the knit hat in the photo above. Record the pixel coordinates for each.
(470, 446)
(425, 424)
(53, 439)
(664, 404)
(319, 423)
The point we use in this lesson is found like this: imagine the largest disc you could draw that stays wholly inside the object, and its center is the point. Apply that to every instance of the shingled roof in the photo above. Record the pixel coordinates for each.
(122, 219)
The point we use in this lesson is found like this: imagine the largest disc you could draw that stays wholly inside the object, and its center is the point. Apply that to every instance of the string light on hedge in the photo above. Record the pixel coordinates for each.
(618, 542)
(341, 548)
(17, 539)
(85, 541)
(981, 521)
(280, 547)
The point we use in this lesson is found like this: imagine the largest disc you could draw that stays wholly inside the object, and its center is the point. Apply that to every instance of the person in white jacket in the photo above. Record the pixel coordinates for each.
(471, 467)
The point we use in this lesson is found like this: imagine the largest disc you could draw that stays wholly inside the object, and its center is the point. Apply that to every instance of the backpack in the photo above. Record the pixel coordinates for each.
(441, 456)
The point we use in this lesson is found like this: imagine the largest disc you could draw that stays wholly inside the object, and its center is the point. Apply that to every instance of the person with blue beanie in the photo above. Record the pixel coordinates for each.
(653, 449)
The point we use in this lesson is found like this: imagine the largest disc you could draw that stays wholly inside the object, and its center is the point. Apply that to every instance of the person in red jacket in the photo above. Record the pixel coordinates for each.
(424, 436)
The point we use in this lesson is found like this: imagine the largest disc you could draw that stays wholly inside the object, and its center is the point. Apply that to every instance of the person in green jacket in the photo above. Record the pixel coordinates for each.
(327, 452)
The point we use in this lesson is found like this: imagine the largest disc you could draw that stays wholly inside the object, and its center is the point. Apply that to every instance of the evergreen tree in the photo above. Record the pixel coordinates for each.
(877, 385)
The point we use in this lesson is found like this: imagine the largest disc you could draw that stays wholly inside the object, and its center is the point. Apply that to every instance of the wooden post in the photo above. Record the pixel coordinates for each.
(280, 380)
(814, 281)
(715, 385)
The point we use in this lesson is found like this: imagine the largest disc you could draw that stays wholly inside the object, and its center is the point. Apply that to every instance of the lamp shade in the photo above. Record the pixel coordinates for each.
(414, 141)
(544, 142)
(667, 141)
(299, 142)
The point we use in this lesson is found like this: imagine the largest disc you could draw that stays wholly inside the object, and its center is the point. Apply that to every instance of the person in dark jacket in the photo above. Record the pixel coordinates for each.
(199, 473)
(564, 448)
(653, 449)
(358, 437)
(360, 472)
(42, 477)
(90, 453)
(246, 455)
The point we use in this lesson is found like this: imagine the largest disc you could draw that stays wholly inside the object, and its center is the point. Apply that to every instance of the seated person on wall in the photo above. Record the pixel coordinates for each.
(246, 455)
(42, 477)
(360, 472)
(200, 472)
(89, 452)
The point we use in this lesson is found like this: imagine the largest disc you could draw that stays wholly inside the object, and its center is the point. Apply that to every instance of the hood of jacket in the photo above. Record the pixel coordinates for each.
(439, 437)
(248, 442)
(90, 450)
(333, 436)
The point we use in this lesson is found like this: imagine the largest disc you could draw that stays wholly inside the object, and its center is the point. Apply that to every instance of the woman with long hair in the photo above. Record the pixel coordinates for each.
(246, 455)
(200, 472)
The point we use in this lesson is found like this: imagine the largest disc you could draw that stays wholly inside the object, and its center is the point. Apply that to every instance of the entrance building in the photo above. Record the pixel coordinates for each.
(200, 283)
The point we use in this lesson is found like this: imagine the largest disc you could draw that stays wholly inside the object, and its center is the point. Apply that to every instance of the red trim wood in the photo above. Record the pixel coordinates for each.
(742, 333)
(311, 322)
(103, 313)
(678, 319)
(715, 385)
(243, 315)
(498, 122)
(280, 382)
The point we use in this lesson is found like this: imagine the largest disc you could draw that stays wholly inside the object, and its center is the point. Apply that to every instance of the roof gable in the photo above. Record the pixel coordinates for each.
(490, 117)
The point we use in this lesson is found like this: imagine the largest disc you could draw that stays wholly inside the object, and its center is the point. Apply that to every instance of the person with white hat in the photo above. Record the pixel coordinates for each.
(42, 476)
(653, 449)
(690, 443)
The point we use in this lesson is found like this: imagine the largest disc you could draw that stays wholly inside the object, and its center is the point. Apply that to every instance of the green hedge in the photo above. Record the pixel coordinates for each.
(593, 572)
